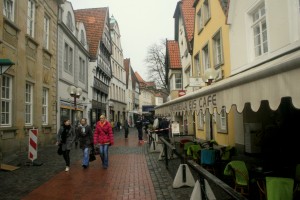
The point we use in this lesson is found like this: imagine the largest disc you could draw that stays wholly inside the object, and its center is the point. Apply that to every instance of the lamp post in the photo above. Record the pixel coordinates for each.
(209, 76)
(76, 93)
(5, 64)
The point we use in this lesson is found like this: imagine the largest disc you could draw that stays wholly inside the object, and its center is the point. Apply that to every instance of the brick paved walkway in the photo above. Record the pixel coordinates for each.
(133, 173)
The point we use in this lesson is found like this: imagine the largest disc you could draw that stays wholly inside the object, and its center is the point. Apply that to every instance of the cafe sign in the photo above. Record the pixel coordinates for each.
(197, 104)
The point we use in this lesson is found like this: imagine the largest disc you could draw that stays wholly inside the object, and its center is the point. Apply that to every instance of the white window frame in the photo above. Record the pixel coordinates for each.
(68, 58)
(200, 121)
(46, 31)
(197, 64)
(81, 70)
(6, 101)
(177, 85)
(218, 49)
(30, 18)
(70, 21)
(82, 37)
(222, 121)
(9, 9)
(206, 11)
(45, 105)
(205, 57)
(260, 31)
(200, 24)
(28, 104)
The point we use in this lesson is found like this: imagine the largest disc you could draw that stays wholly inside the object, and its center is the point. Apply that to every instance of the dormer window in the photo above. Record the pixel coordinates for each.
(82, 38)
(70, 21)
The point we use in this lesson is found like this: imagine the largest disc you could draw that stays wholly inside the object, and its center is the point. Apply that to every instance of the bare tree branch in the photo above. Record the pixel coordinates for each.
(155, 62)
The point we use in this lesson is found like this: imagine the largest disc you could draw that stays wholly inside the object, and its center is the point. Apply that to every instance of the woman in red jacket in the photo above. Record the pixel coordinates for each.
(103, 137)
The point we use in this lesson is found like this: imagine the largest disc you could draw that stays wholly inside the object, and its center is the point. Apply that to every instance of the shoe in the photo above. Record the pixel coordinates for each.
(67, 169)
(104, 167)
(84, 166)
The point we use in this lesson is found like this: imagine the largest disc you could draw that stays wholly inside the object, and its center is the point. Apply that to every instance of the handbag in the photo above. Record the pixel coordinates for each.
(59, 150)
(92, 156)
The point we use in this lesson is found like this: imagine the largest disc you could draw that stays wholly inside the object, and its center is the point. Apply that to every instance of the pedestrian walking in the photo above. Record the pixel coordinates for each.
(84, 135)
(103, 138)
(126, 128)
(65, 137)
(139, 126)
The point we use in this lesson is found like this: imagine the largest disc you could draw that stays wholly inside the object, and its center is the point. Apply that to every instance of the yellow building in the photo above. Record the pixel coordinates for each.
(211, 51)
(28, 37)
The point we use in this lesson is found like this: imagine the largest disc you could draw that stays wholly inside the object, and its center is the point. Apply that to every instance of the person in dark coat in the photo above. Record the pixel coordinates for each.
(139, 126)
(126, 128)
(65, 137)
(84, 135)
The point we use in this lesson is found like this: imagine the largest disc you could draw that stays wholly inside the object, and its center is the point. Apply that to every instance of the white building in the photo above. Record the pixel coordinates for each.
(72, 65)
(117, 99)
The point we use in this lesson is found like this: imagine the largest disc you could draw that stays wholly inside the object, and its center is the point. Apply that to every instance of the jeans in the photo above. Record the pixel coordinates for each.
(104, 154)
(86, 156)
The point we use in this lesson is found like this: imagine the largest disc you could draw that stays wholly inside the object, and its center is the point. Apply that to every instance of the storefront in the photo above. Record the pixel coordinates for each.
(255, 96)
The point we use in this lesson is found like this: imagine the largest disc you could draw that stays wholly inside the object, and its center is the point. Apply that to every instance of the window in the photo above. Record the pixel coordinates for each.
(200, 120)
(68, 59)
(81, 70)
(205, 58)
(28, 104)
(199, 21)
(82, 37)
(218, 52)
(30, 17)
(70, 21)
(6, 100)
(45, 106)
(8, 9)
(178, 82)
(46, 32)
(197, 64)
(260, 31)
(222, 121)
(206, 11)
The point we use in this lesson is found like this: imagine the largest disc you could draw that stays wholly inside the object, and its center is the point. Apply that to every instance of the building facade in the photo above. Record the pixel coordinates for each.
(117, 98)
(72, 66)
(28, 37)
(96, 22)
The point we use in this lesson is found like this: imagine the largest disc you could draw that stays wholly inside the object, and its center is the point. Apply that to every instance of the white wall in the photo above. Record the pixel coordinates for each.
(283, 21)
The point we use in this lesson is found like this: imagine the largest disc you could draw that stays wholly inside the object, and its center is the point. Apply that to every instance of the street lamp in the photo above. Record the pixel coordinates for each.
(5, 64)
(76, 93)
(209, 76)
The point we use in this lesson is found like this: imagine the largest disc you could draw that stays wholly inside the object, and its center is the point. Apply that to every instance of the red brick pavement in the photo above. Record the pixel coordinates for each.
(127, 177)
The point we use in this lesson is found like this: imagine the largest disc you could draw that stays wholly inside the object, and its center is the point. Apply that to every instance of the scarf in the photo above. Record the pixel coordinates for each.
(102, 123)
(65, 133)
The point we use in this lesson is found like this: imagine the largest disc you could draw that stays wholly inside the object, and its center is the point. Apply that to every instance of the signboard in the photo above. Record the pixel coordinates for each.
(196, 82)
(175, 128)
(181, 93)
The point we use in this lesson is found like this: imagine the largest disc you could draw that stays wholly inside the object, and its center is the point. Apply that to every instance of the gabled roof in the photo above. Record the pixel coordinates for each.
(142, 82)
(94, 22)
(188, 15)
(173, 54)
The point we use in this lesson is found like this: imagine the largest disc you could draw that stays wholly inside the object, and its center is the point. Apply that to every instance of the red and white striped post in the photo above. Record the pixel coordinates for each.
(32, 150)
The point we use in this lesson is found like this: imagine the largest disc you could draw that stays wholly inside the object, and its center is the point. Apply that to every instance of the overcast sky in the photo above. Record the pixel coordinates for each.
(141, 22)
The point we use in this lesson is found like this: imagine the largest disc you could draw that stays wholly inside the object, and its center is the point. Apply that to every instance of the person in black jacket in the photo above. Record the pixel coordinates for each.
(84, 135)
(139, 126)
(65, 138)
